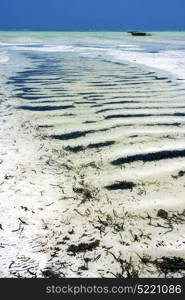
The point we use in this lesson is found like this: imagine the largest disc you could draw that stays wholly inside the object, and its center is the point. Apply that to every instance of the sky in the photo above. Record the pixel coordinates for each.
(92, 15)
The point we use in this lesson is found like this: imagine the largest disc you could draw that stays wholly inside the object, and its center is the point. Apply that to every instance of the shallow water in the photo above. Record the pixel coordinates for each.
(163, 50)
(83, 98)
(83, 84)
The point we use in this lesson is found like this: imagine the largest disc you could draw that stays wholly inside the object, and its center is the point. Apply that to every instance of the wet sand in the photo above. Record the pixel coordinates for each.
(92, 172)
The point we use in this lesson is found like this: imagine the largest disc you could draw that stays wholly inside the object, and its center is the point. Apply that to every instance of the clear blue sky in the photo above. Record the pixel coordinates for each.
(92, 14)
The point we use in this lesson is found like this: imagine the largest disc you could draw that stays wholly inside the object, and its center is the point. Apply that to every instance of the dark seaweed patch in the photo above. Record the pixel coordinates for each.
(167, 264)
(180, 174)
(163, 124)
(66, 115)
(100, 145)
(154, 156)
(96, 82)
(106, 109)
(83, 247)
(51, 274)
(74, 149)
(49, 101)
(38, 73)
(44, 108)
(85, 102)
(65, 95)
(137, 83)
(15, 83)
(26, 89)
(120, 102)
(32, 97)
(105, 84)
(121, 185)
(57, 90)
(95, 97)
(128, 116)
(143, 115)
(35, 80)
(152, 107)
(89, 122)
(45, 126)
(97, 105)
(163, 214)
(102, 130)
(179, 114)
(160, 78)
(90, 146)
(88, 93)
(71, 135)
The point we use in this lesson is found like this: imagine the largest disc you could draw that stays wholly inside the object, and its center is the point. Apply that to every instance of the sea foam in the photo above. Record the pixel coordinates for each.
(3, 57)
(172, 61)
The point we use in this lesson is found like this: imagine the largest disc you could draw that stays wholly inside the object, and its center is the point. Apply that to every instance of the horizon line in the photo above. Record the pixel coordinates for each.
(89, 30)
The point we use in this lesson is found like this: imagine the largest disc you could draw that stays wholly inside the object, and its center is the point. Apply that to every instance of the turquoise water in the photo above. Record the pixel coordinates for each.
(163, 50)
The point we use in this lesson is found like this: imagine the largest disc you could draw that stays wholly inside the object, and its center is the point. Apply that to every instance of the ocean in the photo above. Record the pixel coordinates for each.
(162, 50)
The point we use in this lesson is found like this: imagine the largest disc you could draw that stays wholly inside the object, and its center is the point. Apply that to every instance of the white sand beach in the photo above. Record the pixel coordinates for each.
(92, 160)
